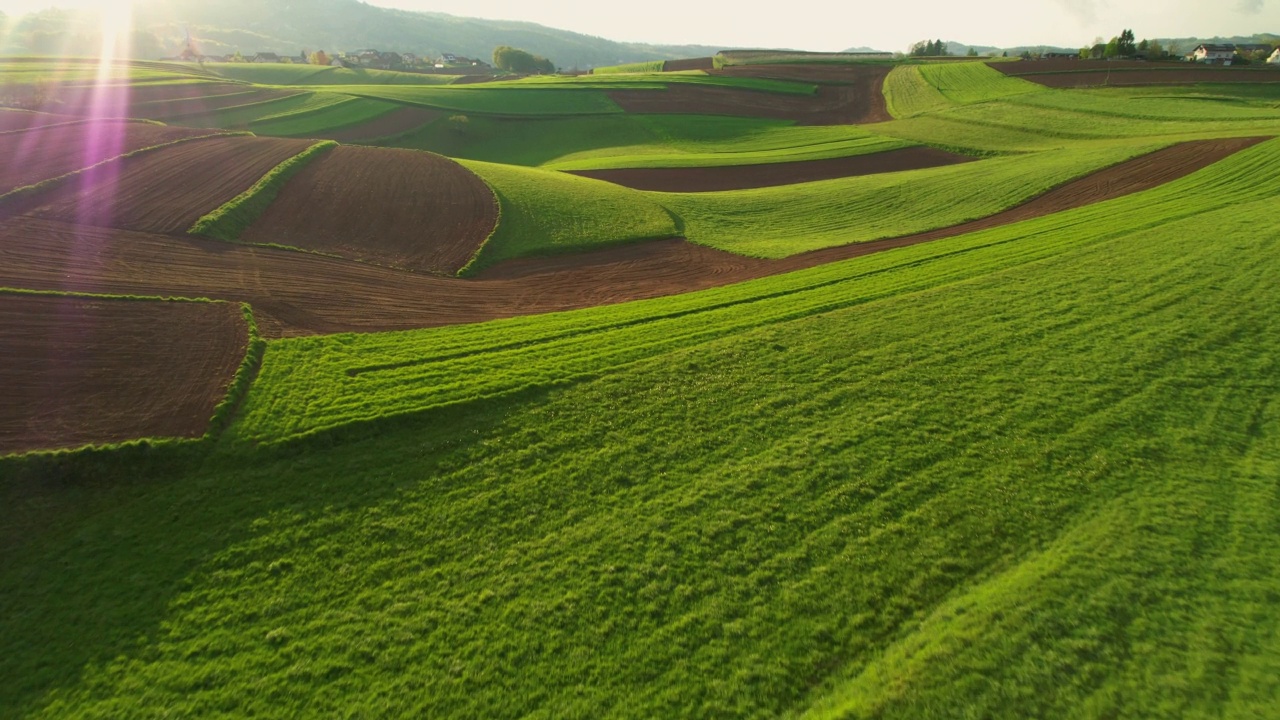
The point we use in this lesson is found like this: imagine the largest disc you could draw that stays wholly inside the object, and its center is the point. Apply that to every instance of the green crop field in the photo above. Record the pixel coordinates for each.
(346, 111)
(545, 212)
(1026, 472)
(621, 140)
(893, 486)
(530, 100)
(930, 87)
(273, 74)
(653, 66)
(657, 81)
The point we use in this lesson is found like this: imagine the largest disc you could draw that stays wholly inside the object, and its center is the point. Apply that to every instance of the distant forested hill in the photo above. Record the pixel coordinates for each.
(289, 26)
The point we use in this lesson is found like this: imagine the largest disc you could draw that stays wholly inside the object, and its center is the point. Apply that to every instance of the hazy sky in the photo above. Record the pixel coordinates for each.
(883, 24)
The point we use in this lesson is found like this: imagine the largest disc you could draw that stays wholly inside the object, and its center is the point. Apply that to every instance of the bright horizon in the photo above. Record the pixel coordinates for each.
(829, 27)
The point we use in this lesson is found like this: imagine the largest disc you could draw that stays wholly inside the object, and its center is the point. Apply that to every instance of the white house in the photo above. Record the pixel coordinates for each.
(1208, 53)
(1275, 57)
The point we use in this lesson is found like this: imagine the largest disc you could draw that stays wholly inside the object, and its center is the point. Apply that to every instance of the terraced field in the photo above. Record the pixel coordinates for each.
(993, 438)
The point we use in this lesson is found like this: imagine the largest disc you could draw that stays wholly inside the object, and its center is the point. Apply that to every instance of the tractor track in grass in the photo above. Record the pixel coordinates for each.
(744, 177)
(299, 293)
(85, 370)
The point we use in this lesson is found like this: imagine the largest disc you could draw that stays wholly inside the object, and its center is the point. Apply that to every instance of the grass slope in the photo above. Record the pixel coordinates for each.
(350, 111)
(275, 74)
(785, 220)
(543, 213)
(929, 87)
(1029, 472)
(612, 141)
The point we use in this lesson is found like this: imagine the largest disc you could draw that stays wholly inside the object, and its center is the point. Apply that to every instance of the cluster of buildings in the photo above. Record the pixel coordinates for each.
(1225, 54)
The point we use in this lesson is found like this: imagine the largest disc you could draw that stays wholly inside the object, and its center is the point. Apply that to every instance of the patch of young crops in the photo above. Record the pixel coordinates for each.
(658, 81)
(494, 101)
(544, 212)
(1051, 120)
(789, 219)
(653, 66)
(278, 74)
(1024, 473)
(622, 140)
(966, 83)
(444, 366)
(912, 90)
(350, 111)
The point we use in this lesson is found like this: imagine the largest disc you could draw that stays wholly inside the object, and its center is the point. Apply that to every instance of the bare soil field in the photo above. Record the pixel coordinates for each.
(47, 152)
(164, 191)
(703, 63)
(300, 293)
(12, 120)
(152, 101)
(399, 208)
(742, 177)
(846, 95)
(83, 371)
(198, 106)
(1095, 73)
(396, 122)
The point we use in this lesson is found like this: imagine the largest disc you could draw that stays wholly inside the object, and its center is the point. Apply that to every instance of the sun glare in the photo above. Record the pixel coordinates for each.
(117, 22)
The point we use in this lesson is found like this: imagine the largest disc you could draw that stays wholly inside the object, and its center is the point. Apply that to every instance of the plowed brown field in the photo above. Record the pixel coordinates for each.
(703, 63)
(1094, 73)
(846, 95)
(15, 120)
(741, 177)
(80, 371)
(396, 122)
(298, 293)
(399, 208)
(198, 107)
(47, 152)
(164, 191)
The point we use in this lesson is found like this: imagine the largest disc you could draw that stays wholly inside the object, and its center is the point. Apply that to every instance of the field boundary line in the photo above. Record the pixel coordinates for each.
(53, 182)
(230, 221)
(243, 380)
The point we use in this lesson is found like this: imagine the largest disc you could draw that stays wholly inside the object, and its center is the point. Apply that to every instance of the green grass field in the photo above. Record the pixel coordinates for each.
(621, 140)
(344, 112)
(545, 213)
(1024, 472)
(273, 74)
(894, 486)
(653, 66)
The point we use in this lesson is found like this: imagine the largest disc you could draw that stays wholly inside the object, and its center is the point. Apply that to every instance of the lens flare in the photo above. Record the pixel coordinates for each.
(109, 99)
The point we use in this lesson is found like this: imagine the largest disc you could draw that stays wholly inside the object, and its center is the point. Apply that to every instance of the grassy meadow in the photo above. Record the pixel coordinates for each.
(1024, 472)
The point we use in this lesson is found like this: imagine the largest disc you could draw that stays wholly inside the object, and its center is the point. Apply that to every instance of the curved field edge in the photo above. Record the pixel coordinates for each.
(230, 220)
(364, 378)
(786, 220)
(742, 526)
(544, 213)
(917, 89)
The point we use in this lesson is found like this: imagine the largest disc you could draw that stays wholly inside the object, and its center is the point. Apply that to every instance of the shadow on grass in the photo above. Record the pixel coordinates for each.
(96, 546)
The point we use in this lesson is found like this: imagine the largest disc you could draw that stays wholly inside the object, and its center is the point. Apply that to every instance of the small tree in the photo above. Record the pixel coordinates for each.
(973, 52)
(320, 57)
(1124, 43)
